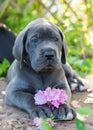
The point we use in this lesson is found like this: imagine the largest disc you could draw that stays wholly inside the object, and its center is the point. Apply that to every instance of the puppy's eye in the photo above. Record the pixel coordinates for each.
(56, 39)
(34, 39)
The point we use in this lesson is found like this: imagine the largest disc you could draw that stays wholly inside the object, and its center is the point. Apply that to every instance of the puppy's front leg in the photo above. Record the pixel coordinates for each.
(64, 112)
(18, 95)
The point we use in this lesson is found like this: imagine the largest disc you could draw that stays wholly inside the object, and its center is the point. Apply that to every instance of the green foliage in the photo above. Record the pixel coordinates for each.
(80, 125)
(83, 66)
(52, 117)
(4, 67)
(45, 125)
(80, 56)
(84, 111)
(17, 126)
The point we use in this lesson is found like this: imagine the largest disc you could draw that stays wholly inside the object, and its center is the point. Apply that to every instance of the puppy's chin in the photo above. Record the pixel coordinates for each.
(47, 69)
(43, 68)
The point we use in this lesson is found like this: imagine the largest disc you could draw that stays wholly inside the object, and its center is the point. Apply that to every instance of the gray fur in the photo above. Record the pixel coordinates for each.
(34, 69)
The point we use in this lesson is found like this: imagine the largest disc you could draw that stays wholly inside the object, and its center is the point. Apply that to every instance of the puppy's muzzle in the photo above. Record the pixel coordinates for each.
(49, 54)
(48, 59)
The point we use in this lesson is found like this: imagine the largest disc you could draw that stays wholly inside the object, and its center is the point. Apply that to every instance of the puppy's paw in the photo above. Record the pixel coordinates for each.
(64, 113)
(78, 84)
(40, 111)
(82, 84)
(73, 84)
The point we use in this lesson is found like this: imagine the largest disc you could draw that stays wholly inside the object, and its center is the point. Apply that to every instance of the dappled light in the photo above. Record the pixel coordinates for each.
(89, 98)
(3, 92)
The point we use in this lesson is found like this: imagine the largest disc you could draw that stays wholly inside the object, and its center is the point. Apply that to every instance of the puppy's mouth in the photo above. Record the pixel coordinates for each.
(49, 66)
(43, 65)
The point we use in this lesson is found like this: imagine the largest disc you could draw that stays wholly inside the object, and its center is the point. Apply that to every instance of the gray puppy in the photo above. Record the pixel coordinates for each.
(38, 50)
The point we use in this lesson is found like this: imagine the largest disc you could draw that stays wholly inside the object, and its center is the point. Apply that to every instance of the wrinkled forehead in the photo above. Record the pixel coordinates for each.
(44, 28)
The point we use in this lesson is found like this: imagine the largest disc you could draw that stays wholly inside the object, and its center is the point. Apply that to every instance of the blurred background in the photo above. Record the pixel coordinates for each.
(74, 18)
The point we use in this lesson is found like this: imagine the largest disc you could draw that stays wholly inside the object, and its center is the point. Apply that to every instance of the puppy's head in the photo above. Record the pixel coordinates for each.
(42, 45)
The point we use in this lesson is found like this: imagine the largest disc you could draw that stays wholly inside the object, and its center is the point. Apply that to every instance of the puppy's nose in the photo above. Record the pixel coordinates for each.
(49, 53)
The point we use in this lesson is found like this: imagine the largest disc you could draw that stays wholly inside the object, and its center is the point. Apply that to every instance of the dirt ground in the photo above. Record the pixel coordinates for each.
(15, 119)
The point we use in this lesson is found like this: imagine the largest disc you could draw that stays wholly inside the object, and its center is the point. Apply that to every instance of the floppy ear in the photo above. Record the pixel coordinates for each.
(64, 48)
(19, 46)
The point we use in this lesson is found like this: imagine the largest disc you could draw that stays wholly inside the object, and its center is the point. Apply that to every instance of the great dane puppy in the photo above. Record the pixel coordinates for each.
(39, 51)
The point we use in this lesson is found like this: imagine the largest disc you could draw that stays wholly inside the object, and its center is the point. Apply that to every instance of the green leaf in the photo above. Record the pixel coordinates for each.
(80, 125)
(52, 117)
(1, 69)
(4, 67)
(84, 111)
(17, 126)
(45, 125)
(6, 63)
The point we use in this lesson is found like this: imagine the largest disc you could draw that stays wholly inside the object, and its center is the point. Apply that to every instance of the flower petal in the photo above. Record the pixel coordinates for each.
(40, 98)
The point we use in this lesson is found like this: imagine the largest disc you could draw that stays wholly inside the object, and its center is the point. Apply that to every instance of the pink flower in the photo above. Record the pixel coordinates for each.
(37, 121)
(55, 104)
(40, 98)
(62, 96)
(49, 94)
(53, 97)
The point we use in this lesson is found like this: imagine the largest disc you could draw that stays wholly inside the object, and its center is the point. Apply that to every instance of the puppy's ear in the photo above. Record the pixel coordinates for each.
(19, 46)
(64, 48)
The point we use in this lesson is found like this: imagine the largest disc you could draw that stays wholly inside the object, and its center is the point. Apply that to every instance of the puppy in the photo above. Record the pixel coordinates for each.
(39, 51)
